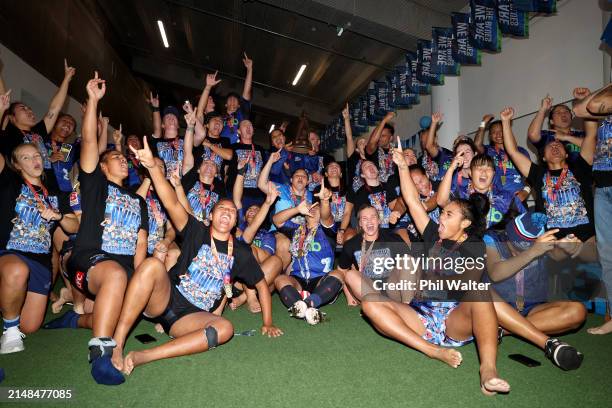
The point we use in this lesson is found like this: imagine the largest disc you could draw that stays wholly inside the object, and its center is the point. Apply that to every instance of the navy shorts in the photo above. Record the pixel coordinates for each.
(39, 280)
(308, 285)
(81, 261)
(528, 307)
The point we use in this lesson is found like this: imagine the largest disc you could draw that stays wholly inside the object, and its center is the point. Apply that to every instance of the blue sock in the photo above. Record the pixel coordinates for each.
(102, 369)
(68, 320)
(313, 300)
(1, 375)
(8, 323)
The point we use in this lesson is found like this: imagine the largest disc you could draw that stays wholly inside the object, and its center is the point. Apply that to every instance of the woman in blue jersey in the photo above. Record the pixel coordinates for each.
(311, 282)
(436, 327)
(482, 180)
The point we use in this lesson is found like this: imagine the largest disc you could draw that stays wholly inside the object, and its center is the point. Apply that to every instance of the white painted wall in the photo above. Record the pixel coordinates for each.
(31, 87)
(562, 52)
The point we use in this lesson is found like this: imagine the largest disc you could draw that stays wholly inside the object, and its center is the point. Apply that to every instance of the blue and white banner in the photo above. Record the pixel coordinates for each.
(463, 50)
(423, 71)
(442, 60)
(484, 31)
(511, 20)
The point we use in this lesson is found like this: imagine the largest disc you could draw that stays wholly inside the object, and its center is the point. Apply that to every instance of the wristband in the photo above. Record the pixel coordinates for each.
(154, 108)
(527, 189)
(242, 171)
(190, 128)
(483, 124)
(341, 230)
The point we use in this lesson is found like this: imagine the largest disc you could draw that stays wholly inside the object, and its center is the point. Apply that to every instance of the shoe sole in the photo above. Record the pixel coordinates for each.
(12, 350)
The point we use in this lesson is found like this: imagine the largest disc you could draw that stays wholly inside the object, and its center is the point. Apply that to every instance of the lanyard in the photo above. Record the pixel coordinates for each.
(227, 281)
(207, 197)
(365, 254)
(502, 160)
(157, 214)
(42, 202)
(294, 197)
(552, 190)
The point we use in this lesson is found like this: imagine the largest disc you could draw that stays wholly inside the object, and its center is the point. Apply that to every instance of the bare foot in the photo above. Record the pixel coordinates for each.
(449, 356)
(130, 362)
(236, 302)
(603, 329)
(253, 305)
(65, 296)
(491, 384)
(117, 358)
(159, 328)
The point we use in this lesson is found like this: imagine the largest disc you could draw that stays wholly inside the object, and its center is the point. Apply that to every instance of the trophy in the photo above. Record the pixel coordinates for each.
(301, 144)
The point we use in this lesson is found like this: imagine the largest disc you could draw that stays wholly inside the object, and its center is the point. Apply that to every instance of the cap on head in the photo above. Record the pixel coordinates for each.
(525, 229)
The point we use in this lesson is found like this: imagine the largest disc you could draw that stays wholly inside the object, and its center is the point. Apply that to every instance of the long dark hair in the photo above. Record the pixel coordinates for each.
(474, 209)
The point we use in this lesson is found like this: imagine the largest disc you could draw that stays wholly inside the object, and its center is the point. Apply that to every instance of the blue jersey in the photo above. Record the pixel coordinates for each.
(62, 168)
(547, 136)
(231, 122)
(318, 259)
(263, 239)
(602, 162)
(288, 199)
(436, 167)
(500, 202)
(506, 174)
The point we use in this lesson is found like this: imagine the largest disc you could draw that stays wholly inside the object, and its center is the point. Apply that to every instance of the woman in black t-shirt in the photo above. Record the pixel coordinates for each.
(434, 326)
(562, 189)
(29, 215)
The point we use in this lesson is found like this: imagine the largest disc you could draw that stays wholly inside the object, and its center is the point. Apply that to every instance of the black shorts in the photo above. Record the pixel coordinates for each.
(177, 308)
(308, 285)
(582, 232)
(81, 261)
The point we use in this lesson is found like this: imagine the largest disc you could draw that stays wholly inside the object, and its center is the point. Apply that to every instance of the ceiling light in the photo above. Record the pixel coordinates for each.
(163, 33)
(339, 30)
(271, 128)
(299, 75)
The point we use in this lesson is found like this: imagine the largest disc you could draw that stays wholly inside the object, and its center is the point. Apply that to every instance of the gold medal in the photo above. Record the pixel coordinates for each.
(503, 180)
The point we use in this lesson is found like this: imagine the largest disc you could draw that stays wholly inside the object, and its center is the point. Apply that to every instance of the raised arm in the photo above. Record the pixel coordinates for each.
(5, 102)
(238, 188)
(248, 80)
(350, 143)
(251, 230)
(500, 270)
(102, 133)
(409, 191)
(523, 163)
(117, 140)
(535, 127)
(372, 144)
(264, 176)
(143, 189)
(444, 189)
(164, 190)
(96, 88)
(2, 162)
(60, 97)
(327, 219)
(154, 105)
(479, 138)
(211, 82)
(190, 119)
(431, 146)
(587, 148)
(180, 193)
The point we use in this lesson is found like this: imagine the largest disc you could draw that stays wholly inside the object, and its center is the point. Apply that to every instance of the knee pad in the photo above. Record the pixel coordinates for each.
(212, 337)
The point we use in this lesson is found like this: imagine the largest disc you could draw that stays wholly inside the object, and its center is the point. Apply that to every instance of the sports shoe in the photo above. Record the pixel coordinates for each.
(102, 368)
(562, 354)
(313, 316)
(12, 341)
(68, 320)
(298, 309)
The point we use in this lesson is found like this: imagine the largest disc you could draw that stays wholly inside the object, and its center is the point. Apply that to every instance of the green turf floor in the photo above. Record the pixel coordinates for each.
(341, 363)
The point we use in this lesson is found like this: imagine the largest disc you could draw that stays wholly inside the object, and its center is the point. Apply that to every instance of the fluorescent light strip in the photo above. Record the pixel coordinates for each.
(162, 31)
(271, 128)
(299, 75)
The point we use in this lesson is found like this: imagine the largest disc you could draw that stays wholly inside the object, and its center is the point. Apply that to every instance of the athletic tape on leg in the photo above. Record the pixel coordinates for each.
(211, 337)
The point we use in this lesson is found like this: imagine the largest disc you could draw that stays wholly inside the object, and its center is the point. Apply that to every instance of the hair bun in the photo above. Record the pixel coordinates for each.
(480, 205)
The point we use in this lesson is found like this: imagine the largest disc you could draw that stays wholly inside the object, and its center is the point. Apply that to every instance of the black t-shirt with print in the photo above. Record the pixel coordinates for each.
(202, 153)
(170, 151)
(198, 273)
(22, 229)
(387, 245)
(353, 176)
(571, 205)
(383, 159)
(112, 217)
(378, 196)
(255, 156)
(202, 195)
